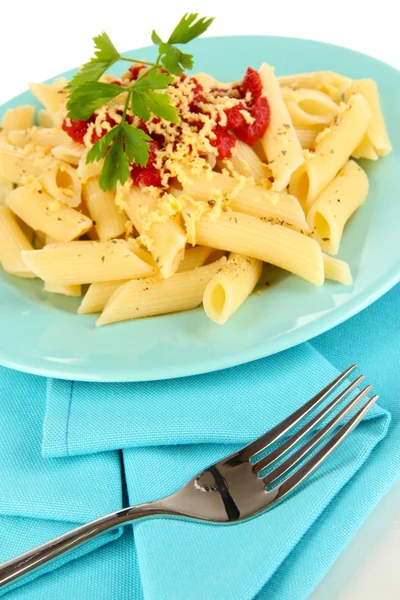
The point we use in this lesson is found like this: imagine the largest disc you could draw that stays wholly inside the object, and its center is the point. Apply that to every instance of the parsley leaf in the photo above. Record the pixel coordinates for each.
(135, 143)
(155, 38)
(106, 55)
(188, 28)
(174, 60)
(139, 105)
(98, 150)
(153, 81)
(160, 105)
(142, 102)
(115, 166)
(84, 100)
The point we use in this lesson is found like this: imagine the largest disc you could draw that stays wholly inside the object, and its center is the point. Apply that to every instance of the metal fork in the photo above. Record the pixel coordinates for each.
(235, 488)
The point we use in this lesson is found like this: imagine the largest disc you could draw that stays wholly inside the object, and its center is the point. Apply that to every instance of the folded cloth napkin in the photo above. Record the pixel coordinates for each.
(168, 432)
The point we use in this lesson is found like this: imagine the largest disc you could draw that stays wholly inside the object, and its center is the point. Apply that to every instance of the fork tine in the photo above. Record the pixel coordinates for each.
(314, 462)
(290, 442)
(284, 426)
(290, 462)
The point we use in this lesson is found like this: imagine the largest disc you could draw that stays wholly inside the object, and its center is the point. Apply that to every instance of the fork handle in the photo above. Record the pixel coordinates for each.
(33, 559)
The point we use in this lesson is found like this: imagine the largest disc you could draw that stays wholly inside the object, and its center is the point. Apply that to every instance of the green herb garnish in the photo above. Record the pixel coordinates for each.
(125, 144)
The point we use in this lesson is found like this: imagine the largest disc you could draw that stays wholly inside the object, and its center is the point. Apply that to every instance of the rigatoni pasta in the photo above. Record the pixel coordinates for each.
(256, 171)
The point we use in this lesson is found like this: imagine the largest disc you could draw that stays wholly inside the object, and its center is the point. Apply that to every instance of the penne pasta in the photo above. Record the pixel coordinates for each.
(166, 239)
(281, 145)
(44, 118)
(199, 256)
(332, 150)
(309, 108)
(103, 211)
(58, 178)
(248, 198)
(6, 187)
(70, 153)
(335, 205)
(245, 161)
(66, 290)
(35, 209)
(20, 117)
(136, 299)
(337, 270)
(230, 287)
(38, 136)
(87, 170)
(74, 263)
(266, 241)
(333, 84)
(51, 95)
(376, 132)
(98, 295)
(12, 243)
(306, 137)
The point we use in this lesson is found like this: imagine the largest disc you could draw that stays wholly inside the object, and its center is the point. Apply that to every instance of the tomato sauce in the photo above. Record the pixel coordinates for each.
(224, 138)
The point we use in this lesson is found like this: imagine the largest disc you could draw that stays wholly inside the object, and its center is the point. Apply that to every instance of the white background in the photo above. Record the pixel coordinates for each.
(41, 39)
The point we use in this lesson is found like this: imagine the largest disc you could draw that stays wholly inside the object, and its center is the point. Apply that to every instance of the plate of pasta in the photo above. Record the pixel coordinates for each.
(156, 223)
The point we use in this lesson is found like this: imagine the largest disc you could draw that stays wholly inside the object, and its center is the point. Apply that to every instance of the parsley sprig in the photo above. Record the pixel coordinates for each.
(125, 144)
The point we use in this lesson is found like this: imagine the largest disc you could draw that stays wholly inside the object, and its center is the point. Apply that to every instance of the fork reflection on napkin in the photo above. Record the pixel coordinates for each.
(197, 421)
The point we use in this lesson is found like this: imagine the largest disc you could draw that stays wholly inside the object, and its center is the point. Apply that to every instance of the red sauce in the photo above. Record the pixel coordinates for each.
(148, 175)
(134, 71)
(224, 142)
(250, 133)
(235, 128)
(251, 83)
(76, 129)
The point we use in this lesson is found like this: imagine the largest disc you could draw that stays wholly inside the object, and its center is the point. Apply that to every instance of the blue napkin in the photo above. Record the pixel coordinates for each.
(170, 430)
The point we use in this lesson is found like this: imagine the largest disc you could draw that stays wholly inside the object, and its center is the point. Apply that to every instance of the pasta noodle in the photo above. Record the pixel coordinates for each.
(376, 132)
(66, 290)
(86, 262)
(335, 205)
(51, 95)
(230, 287)
(337, 270)
(38, 136)
(58, 178)
(332, 150)
(97, 296)
(309, 108)
(167, 239)
(20, 117)
(199, 256)
(5, 188)
(12, 243)
(331, 83)
(35, 208)
(268, 242)
(103, 211)
(246, 162)
(281, 145)
(157, 296)
(249, 199)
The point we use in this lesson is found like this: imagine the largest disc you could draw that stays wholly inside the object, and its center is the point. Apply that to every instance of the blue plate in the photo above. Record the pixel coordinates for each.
(40, 332)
